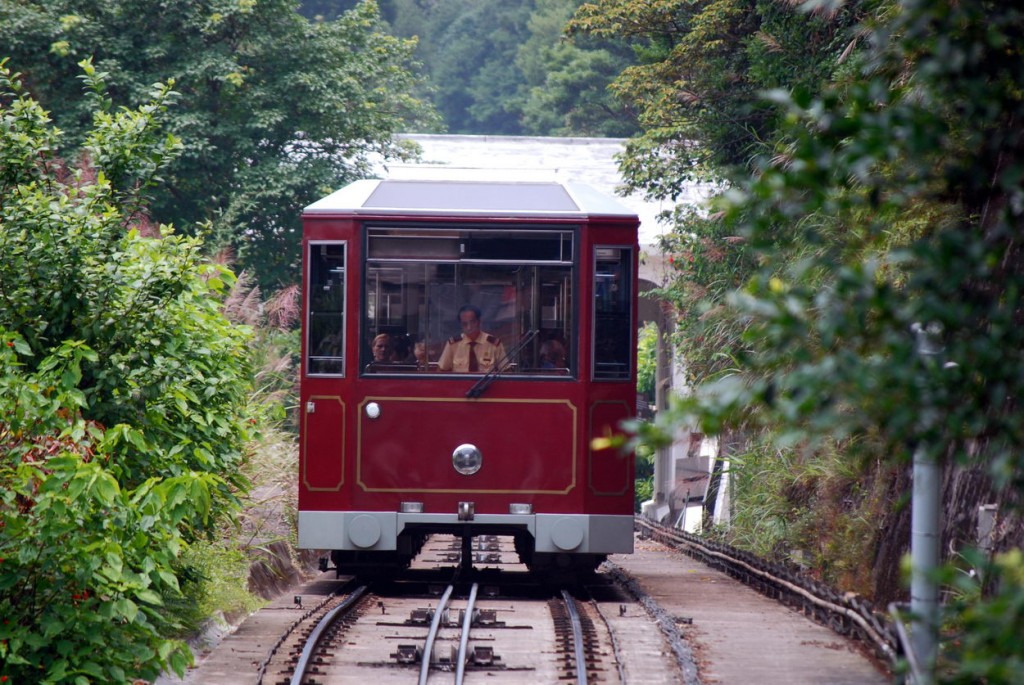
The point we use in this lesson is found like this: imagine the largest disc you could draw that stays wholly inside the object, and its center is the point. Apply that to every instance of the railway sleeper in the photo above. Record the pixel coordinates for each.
(408, 654)
(424, 616)
(483, 617)
(483, 657)
(487, 558)
(480, 657)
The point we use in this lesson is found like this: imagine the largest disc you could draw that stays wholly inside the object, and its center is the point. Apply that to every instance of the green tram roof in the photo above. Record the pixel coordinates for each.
(470, 198)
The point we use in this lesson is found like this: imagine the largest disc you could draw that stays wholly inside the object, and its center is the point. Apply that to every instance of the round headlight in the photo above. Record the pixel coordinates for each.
(467, 459)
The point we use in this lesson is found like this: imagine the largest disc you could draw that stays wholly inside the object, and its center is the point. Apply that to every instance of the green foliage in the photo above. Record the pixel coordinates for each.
(84, 563)
(833, 334)
(647, 360)
(565, 81)
(985, 647)
(507, 68)
(643, 484)
(123, 397)
(275, 110)
(468, 48)
(877, 195)
(706, 263)
(702, 66)
(818, 511)
(215, 578)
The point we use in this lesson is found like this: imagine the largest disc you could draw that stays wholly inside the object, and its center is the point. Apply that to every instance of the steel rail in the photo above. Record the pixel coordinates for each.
(262, 670)
(898, 612)
(428, 646)
(467, 622)
(577, 638)
(314, 638)
(619, 658)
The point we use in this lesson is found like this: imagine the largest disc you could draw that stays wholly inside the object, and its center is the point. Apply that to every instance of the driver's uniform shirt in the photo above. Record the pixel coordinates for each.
(455, 356)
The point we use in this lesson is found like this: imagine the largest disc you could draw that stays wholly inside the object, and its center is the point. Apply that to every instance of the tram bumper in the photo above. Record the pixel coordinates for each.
(380, 531)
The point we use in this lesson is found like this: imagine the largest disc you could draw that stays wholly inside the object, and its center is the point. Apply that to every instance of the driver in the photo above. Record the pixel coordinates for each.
(474, 351)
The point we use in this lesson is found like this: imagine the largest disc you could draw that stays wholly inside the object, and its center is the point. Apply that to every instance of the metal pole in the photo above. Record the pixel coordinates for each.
(663, 456)
(924, 559)
(924, 532)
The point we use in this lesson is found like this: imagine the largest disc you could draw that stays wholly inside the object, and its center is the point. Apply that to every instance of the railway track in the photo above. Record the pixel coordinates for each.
(494, 623)
(464, 631)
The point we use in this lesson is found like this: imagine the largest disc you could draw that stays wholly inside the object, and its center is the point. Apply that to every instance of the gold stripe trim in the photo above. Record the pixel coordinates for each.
(591, 457)
(451, 491)
(305, 446)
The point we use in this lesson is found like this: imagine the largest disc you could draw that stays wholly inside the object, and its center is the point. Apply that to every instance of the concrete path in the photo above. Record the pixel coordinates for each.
(738, 636)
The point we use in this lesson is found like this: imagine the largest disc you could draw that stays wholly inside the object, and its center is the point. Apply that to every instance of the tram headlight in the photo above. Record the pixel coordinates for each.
(467, 459)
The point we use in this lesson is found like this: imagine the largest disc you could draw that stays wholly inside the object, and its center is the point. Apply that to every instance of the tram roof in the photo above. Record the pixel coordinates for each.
(467, 197)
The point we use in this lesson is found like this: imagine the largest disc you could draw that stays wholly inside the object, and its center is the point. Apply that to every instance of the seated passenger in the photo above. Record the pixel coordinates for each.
(552, 355)
(331, 345)
(383, 349)
(474, 351)
(419, 353)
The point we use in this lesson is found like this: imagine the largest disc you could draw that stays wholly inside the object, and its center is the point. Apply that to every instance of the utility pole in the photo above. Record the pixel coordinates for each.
(924, 560)
(663, 472)
(925, 535)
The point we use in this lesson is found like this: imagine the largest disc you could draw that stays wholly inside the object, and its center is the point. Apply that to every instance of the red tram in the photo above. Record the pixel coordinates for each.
(464, 342)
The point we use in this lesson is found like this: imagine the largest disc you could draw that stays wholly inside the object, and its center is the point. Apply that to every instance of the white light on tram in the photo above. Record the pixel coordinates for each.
(467, 459)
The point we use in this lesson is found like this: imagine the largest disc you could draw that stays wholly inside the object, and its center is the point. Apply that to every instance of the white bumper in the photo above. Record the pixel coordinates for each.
(379, 531)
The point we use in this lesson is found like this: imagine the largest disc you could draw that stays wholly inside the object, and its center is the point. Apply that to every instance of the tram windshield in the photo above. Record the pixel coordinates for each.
(468, 299)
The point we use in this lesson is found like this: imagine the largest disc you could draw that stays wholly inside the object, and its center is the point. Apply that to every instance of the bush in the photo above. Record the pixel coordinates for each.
(123, 397)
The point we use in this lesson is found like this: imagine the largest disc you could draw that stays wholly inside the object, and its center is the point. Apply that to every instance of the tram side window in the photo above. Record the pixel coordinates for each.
(613, 284)
(325, 343)
(417, 279)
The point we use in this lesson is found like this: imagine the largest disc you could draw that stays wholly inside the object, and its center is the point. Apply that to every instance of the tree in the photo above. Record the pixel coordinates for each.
(566, 81)
(903, 322)
(469, 50)
(906, 184)
(275, 111)
(696, 92)
(880, 204)
(123, 395)
(702, 66)
(506, 68)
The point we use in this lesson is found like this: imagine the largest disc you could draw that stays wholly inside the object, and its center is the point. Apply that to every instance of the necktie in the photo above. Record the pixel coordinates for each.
(473, 364)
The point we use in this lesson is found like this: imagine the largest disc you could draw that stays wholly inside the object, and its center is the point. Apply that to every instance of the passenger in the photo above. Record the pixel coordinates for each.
(383, 349)
(552, 355)
(331, 345)
(474, 351)
(419, 353)
(400, 349)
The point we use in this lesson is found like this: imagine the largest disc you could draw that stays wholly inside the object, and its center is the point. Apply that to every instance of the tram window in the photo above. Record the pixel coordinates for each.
(521, 280)
(613, 283)
(325, 344)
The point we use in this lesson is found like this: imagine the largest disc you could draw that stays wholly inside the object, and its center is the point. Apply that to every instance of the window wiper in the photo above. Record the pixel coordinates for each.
(481, 385)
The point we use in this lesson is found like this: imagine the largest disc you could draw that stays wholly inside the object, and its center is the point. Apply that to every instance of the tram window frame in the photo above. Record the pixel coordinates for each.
(444, 266)
(319, 334)
(612, 355)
